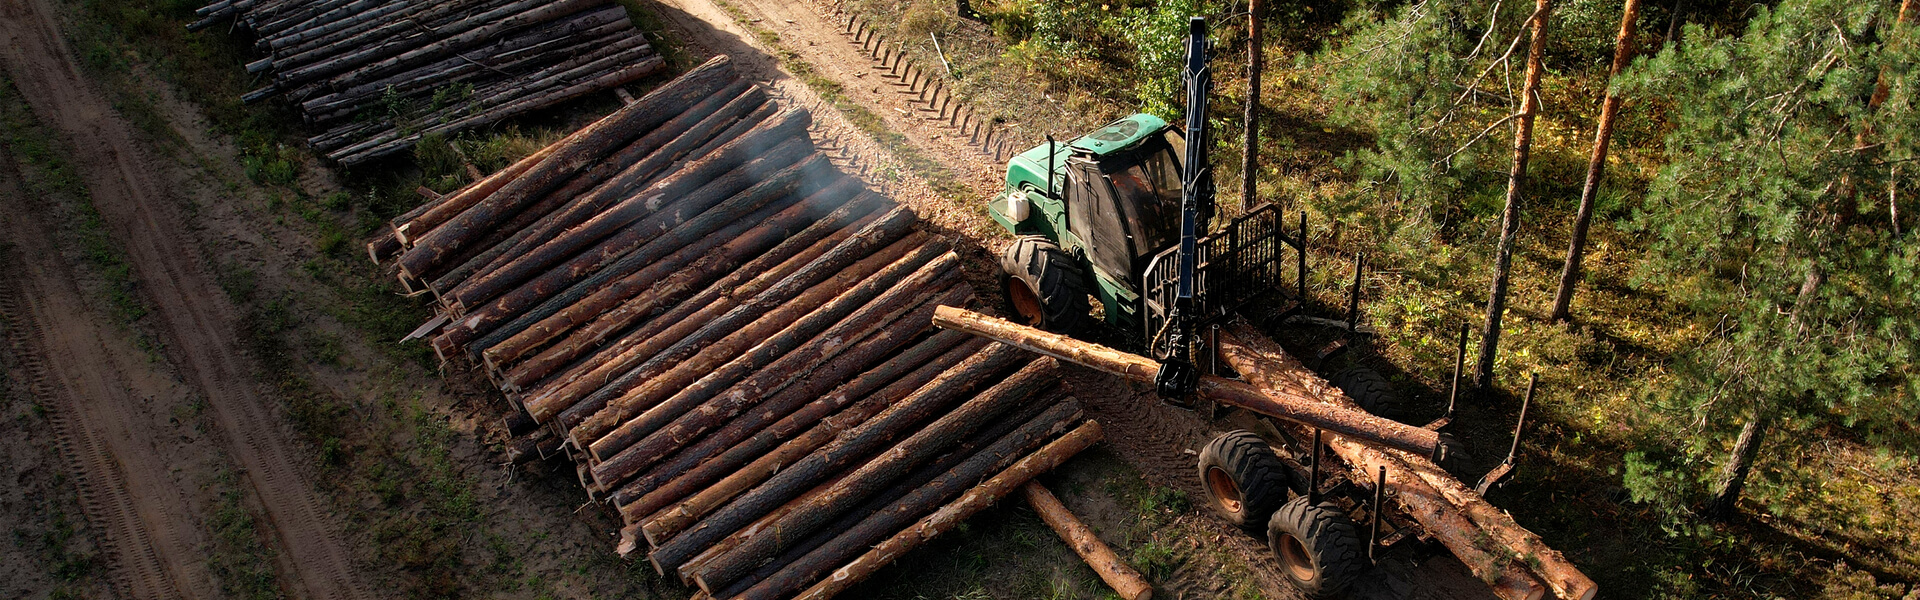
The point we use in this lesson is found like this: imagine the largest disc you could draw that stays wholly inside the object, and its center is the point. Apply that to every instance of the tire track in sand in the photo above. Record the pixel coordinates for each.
(195, 317)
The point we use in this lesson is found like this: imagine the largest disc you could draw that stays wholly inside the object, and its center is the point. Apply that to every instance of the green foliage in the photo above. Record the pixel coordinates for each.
(1436, 82)
(1775, 157)
(1145, 39)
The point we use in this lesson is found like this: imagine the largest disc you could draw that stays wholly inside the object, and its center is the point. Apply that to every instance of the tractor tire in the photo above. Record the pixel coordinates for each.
(1243, 478)
(1368, 389)
(1319, 548)
(1045, 287)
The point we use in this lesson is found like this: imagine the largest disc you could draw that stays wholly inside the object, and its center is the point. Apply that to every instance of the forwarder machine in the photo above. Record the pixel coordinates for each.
(1116, 217)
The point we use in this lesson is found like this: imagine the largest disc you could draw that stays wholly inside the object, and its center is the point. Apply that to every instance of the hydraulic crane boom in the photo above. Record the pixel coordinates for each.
(1177, 375)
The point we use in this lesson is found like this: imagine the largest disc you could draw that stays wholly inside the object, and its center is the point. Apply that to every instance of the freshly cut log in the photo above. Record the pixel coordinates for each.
(1054, 404)
(874, 476)
(1306, 410)
(1264, 364)
(1116, 572)
(975, 500)
(854, 445)
(645, 245)
(571, 280)
(837, 293)
(849, 262)
(718, 408)
(693, 324)
(791, 437)
(922, 501)
(589, 144)
(669, 293)
(844, 320)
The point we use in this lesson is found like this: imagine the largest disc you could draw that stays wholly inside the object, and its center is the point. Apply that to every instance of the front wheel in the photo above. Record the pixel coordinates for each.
(1319, 548)
(1045, 287)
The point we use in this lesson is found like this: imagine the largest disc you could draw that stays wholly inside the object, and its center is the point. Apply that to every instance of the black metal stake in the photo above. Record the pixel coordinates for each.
(1459, 363)
(1313, 472)
(1302, 263)
(1353, 297)
(1373, 525)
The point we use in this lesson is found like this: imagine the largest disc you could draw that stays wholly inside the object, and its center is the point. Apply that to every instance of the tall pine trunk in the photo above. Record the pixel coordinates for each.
(1596, 168)
(1250, 158)
(1510, 217)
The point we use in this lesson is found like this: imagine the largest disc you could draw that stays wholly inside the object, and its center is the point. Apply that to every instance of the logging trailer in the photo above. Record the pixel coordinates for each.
(1117, 218)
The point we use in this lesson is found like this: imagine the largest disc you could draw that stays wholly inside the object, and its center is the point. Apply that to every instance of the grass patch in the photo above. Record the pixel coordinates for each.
(241, 562)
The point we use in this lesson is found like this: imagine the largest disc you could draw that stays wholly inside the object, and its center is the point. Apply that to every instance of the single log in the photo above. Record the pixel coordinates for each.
(723, 204)
(876, 389)
(1117, 573)
(855, 444)
(587, 390)
(837, 265)
(1306, 410)
(620, 304)
(615, 256)
(926, 474)
(718, 408)
(602, 326)
(702, 183)
(974, 501)
(922, 500)
(589, 144)
(1264, 364)
(839, 294)
(460, 200)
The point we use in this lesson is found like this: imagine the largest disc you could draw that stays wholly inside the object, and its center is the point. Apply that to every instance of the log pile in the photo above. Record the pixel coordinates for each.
(733, 341)
(375, 76)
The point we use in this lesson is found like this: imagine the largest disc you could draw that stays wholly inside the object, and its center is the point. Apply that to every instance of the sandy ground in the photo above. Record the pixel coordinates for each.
(197, 325)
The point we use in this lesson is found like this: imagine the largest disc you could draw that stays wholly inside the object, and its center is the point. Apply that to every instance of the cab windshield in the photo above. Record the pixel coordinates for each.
(1148, 186)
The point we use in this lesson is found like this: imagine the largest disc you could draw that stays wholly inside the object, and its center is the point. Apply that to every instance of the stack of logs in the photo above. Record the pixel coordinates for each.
(734, 342)
(377, 75)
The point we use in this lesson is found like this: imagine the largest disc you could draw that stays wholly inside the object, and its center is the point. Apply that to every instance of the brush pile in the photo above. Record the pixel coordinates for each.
(377, 75)
(734, 342)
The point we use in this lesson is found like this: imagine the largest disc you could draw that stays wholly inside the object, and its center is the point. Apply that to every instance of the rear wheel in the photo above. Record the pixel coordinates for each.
(1045, 287)
(1368, 388)
(1243, 478)
(1319, 548)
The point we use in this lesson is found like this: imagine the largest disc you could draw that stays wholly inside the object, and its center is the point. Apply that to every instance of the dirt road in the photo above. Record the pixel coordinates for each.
(195, 319)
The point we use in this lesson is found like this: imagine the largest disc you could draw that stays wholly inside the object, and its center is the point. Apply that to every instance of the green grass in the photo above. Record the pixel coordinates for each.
(239, 559)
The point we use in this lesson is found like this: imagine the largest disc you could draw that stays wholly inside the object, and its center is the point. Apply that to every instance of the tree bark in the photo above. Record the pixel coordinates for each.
(1596, 168)
(795, 435)
(850, 539)
(873, 476)
(1116, 572)
(1733, 475)
(1250, 156)
(949, 516)
(1303, 409)
(1510, 217)
(856, 444)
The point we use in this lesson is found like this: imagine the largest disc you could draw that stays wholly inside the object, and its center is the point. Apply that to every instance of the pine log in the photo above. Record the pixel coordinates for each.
(460, 200)
(717, 321)
(568, 157)
(749, 161)
(724, 203)
(868, 283)
(600, 328)
(875, 390)
(1116, 572)
(586, 324)
(493, 29)
(1060, 409)
(1264, 364)
(730, 541)
(975, 500)
(717, 408)
(874, 476)
(567, 390)
(1306, 410)
(854, 445)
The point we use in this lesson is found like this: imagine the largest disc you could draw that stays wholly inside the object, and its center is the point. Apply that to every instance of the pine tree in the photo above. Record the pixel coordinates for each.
(1762, 225)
